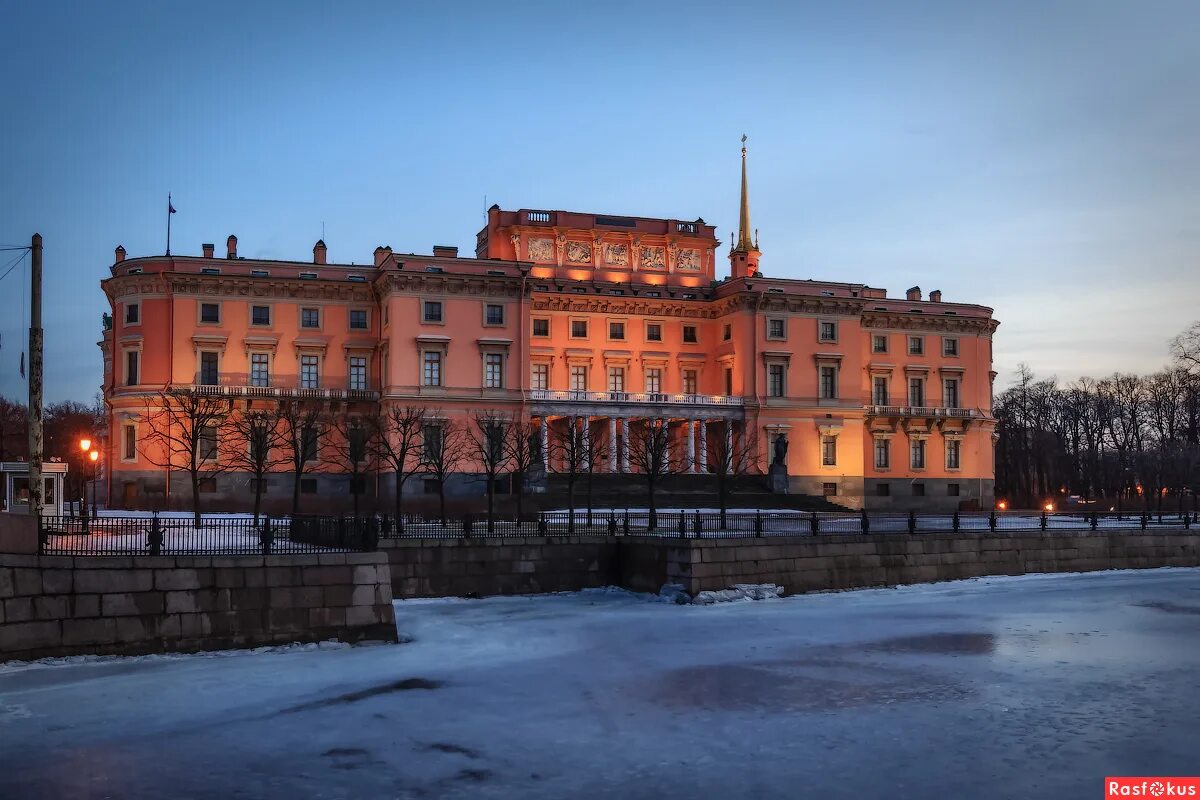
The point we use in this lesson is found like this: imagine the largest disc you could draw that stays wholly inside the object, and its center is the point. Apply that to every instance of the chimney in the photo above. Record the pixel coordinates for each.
(381, 255)
(231, 246)
(935, 296)
(208, 249)
(319, 251)
(914, 293)
(445, 251)
(120, 254)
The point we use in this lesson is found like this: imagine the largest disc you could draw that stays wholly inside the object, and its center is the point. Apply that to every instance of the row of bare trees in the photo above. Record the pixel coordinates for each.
(64, 425)
(1121, 439)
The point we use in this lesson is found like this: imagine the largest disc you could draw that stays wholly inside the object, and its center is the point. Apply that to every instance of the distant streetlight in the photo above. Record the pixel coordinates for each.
(85, 444)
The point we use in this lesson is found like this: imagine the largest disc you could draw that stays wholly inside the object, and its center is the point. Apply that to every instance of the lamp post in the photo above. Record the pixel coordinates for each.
(94, 456)
(85, 445)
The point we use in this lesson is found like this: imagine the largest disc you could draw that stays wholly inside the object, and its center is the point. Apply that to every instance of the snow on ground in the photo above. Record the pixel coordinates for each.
(1036, 686)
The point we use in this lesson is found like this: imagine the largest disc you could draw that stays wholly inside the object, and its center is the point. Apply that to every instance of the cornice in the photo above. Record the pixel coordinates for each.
(611, 304)
(921, 322)
(233, 286)
(401, 282)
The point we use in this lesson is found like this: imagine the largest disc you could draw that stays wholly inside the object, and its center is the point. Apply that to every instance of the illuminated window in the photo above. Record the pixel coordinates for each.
(541, 327)
(358, 372)
(309, 378)
(616, 379)
(689, 381)
(260, 369)
(539, 376)
(654, 380)
(829, 451)
(432, 369)
(579, 378)
(493, 371)
(883, 453)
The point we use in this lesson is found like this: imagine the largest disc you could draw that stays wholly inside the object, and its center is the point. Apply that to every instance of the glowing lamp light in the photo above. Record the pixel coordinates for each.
(1002, 505)
(94, 455)
(85, 444)
(1049, 506)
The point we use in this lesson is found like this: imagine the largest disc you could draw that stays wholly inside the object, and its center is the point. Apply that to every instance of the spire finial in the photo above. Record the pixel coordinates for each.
(744, 242)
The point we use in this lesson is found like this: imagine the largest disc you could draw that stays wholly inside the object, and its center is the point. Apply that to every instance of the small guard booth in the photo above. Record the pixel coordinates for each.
(15, 475)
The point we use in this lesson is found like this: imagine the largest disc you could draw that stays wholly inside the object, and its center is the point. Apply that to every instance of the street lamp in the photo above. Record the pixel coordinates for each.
(94, 457)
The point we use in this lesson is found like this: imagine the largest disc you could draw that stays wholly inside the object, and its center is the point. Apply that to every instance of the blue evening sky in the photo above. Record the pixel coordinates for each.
(1037, 157)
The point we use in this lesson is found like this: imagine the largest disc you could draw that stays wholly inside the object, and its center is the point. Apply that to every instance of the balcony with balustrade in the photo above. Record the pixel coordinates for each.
(558, 402)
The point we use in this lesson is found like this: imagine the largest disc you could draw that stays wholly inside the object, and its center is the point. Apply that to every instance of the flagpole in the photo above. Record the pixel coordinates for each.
(168, 223)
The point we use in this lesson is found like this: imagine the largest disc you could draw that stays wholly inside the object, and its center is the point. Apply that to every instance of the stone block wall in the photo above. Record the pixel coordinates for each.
(58, 605)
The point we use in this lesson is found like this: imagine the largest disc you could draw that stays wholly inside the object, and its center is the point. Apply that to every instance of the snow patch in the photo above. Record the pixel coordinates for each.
(740, 591)
(73, 661)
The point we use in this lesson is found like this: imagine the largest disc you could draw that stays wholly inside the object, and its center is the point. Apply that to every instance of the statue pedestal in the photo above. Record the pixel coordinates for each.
(777, 479)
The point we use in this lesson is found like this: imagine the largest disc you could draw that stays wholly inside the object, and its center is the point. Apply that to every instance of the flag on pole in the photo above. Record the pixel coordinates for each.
(170, 207)
(22, 363)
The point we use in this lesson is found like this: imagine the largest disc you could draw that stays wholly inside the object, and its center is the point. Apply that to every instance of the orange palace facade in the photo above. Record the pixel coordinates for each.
(605, 322)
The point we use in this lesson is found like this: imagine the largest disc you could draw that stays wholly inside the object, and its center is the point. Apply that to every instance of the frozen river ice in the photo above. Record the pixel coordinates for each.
(997, 688)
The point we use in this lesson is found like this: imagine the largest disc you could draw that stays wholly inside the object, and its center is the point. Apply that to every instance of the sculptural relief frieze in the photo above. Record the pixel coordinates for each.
(616, 254)
(689, 259)
(579, 253)
(541, 250)
(653, 257)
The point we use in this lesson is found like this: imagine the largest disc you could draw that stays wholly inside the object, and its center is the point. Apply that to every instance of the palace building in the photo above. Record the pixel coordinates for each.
(567, 321)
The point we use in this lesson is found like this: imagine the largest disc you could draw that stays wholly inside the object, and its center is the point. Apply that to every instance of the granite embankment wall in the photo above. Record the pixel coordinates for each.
(58, 605)
(439, 567)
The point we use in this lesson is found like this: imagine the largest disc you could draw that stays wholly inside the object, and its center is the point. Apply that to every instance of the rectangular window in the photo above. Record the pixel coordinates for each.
(917, 454)
(689, 334)
(431, 486)
(828, 332)
(357, 443)
(879, 344)
(728, 380)
(829, 451)
(541, 327)
(129, 443)
(132, 314)
(431, 438)
(310, 318)
(689, 381)
(539, 376)
(132, 358)
(616, 379)
(775, 329)
(727, 332)
(916, 345)
(616, 331)
(308, 486)
(829, 489)
(431, 369)
(309, 438)
(653, 332)
(828, 383)
(949, 346)
(952, 489)
(260, 315)
(654, 380)
(308, 372)
(206, 443)
(358, 319)
(579, 329)
(208, 369)
(775, 380)
(879, 390)
(494, 314)
(358, 372)
(916, 392)
(918, 490)
(883, 453)
(208, 485)
(431, 311)
(254, 485)
(883, 490)
(493, 371)
(260, 369)
(950, 393)
(210, 312)
(953, 453)
(579, 378)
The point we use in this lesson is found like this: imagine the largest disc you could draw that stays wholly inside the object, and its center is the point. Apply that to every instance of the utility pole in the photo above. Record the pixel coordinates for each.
(35, 377)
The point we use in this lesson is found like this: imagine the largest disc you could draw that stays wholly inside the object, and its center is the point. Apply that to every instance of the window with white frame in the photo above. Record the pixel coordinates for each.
(829, 451)
(431, 366)
(950, 393)
(616, 379)
(776, 329)
(879, 390)
(431, 311)
(358, 319)
(953, 453)
(309, 375)
(828, 383)
(493, 314)
(539, 376)
(358, 372)
(879, 343)
(775, 380)
(917, 454)
(916, 392)
(916, 345)
(654, 380)
(493, 370)
(260, 369)
(883, 453)
(827, 331)
(579, 378)
(689, 381)
(949, 346)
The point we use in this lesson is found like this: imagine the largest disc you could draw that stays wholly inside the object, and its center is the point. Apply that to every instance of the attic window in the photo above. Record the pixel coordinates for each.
(134, 271)
(827, 293)
(915, 311)
(434, 269)
(210, 271)
(689, 296)
(542, 288)
(616, 291)
(259, 273)
(357, 278)
(499, 273)
(653, 294)
(950, 313)
(579, 290)
(881, 308)
(308, 275)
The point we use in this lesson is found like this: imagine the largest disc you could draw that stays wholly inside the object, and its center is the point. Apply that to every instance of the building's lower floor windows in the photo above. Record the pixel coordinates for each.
(918, 490)
(308, 486)
(358, 484)
(829, 489)
(883, 453)
(883, 490)
(431, 486)
(208, 486)
(952, 489)
(129, 443)
(917, 450)
(256, 485)
(828, 451)
(953, 454)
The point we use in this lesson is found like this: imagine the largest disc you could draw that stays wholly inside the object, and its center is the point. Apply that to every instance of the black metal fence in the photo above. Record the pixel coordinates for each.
(156, 535)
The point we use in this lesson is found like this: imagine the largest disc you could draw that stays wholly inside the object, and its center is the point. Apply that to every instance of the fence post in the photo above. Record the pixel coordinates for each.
(1095, 520)
(814, 524)
(1145, 519)
(1043, 521)
(625, 526)
(612, 523)
(957, 523)
(699, 527)
(866, 522)
(41, 534)
(992, 521)
(1187, 521)
(267, 537)
(541, 528)
(682, 524)
(912, 521)
(467, 522)
(372, 541)
(758, 525)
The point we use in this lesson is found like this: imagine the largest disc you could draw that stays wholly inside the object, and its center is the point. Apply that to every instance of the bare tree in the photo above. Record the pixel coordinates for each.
(12, 430)
(255, 442)
(595, 452)
(305, 441)
(396, 442)
(183, 430)
(1185, 349)
(444, 446)
(488, 447)
(649, 454)
(569, 450)
(732, 456)
(349, 445)
(521, 445)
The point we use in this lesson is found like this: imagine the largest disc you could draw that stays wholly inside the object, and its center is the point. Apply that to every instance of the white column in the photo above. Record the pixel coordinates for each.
(703, 466)
(545, 442)
(665, 425)
(612, 444)
(624, 444)
(588, 463)
(691, 445)
(728, 446)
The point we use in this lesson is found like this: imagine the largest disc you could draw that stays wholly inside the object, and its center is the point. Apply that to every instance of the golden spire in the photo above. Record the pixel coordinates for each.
(744, 242)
